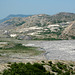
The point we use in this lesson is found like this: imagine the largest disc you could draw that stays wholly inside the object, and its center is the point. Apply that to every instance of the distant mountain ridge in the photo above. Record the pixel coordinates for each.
(37, 20)
(60, 17)
(12, 16)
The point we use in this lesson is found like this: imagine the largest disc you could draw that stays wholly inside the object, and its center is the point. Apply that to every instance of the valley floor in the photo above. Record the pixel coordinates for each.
(53, 50)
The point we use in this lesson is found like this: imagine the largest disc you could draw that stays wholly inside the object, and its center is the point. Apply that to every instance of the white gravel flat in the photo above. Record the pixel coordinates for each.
(59, 50)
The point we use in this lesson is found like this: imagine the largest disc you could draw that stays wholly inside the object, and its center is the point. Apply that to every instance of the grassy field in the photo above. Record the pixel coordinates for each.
(18, 50)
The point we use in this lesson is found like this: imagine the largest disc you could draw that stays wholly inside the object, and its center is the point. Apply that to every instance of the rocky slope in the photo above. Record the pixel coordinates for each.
(63, 17)
(69, 32)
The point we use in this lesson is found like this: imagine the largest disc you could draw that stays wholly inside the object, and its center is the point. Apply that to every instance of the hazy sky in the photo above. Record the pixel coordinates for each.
(35, 7)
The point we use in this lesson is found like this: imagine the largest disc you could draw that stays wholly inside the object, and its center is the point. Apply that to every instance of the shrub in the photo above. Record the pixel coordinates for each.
(42, 61)
(50, 63)
(9, 62)
(61, 65)
(67, 73)
(73, 37)
(54, 69)
(71, 65)
(39, 66)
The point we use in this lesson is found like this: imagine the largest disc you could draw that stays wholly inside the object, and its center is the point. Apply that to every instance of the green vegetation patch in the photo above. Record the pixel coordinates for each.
(20, 23)
(47, 39)
(73, 37)
(57, 68)
(19, 48)
(26, 69)
(61, 65)
(44, 68)
(61, 69)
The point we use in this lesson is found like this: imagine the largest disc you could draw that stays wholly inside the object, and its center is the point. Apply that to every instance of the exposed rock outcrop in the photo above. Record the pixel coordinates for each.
(69, 32)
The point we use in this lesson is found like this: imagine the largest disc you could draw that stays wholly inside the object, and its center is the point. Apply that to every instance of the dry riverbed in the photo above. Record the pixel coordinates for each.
(53, 50)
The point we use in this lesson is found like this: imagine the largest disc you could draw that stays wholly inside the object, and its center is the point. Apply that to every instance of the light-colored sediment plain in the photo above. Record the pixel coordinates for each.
(59, 50)
(54, 50)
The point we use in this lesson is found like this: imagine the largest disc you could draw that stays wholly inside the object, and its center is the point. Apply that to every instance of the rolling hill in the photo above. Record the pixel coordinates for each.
(41, 26)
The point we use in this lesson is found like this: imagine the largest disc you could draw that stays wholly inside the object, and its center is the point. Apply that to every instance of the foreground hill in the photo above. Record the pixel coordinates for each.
(42, 68)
